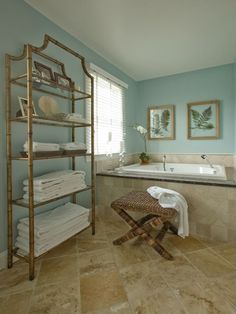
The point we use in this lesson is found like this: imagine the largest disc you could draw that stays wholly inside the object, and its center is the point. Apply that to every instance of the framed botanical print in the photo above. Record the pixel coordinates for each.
(203, 120)
(161, 122)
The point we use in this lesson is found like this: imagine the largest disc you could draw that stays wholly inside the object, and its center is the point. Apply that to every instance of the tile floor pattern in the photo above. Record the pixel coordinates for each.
(88, 275)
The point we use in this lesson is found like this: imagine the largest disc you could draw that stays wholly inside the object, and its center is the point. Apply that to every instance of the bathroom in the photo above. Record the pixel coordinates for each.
(88, 274)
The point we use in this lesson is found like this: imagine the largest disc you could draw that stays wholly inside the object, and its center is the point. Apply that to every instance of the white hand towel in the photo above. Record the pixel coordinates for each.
(172, 199)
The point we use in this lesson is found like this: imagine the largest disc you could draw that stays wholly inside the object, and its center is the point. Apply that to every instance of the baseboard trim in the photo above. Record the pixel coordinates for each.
(3, 259)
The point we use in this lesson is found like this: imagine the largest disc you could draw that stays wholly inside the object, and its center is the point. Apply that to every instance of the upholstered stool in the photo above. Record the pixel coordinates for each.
(156, 215)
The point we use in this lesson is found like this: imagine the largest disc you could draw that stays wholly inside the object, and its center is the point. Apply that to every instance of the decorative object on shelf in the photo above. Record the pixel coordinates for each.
(161, 122)
(48, 105)
(62, 80)
(203, 120)
(23, 107)
(77, 87)
(36, 76)
(143, 157)
(45, 72)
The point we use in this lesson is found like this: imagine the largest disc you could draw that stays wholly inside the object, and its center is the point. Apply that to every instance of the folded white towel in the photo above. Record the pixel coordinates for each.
(72, 146)
(43, 197)
(56, 176)
(39, 147)
(75, 117)
(172, 199)
(54, 232)
(55, 187)
(42, 248)
(56, 217)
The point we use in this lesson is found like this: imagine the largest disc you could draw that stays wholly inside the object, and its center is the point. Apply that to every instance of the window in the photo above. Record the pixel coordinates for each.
(108, 115)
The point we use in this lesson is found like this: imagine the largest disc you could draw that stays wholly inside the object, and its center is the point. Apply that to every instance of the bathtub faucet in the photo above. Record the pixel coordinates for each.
(206, 158)
(164, 162)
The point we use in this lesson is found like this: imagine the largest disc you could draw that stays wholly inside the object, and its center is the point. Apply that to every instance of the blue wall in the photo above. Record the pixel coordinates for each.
(179, 89)
(234, 87)
(21, 24)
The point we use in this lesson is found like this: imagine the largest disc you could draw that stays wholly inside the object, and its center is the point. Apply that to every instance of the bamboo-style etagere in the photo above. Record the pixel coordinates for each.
(73, 95)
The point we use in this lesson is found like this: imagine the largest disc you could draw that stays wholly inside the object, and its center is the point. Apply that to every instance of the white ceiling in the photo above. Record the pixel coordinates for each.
(150, 38)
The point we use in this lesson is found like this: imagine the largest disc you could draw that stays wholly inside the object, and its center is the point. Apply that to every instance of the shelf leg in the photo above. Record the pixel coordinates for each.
(9, 163)
(93, 228)
(31, 271)
(30, 163)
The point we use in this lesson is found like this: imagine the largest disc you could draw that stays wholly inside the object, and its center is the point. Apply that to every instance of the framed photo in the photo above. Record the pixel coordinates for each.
(161, 122)
(63, 80)
(45, 71)
(23, 107)
(203, 120)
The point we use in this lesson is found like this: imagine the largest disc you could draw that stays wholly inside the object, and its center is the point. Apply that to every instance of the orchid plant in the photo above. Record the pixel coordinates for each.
(143, 133)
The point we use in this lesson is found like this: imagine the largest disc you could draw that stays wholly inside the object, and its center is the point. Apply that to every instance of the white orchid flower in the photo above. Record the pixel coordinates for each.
(141, 129)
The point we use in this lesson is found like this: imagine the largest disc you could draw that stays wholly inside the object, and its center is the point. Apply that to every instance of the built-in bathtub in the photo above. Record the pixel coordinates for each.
(177, 170)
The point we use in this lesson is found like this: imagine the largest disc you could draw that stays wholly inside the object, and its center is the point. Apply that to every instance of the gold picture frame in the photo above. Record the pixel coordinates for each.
(161, 122)
(203, 120)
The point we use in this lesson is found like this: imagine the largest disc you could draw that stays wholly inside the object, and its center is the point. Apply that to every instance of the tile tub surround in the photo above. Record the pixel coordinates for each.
(126, 279)
(212, 209)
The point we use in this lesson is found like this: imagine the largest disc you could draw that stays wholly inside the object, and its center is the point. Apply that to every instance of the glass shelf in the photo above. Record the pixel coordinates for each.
(23, 203)
(51, 87)
(47, 121)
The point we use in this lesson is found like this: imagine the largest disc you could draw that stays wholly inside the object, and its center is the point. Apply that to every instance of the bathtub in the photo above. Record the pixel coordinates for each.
(176, 170)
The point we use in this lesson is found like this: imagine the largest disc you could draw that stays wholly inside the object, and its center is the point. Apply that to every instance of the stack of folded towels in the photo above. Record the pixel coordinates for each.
(49, 147)
(73, 146)
(75, 117)
(52, 227)
(55, 184)
(42, 147)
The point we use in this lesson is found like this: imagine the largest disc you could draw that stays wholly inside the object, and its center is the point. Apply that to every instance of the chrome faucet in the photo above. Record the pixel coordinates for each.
(206, 158)
(164, 162)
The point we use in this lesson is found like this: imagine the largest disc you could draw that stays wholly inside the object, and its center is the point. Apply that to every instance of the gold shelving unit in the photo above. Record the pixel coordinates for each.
(67, 93)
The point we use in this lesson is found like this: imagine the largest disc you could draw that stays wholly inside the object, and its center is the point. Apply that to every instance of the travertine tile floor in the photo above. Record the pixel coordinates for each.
(89, 275)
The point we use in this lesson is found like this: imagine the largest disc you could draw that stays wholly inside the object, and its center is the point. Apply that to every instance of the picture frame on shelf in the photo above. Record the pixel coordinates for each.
(23, 107)
(203, 120)
(161, 122)
(45, 71)
(63, 80)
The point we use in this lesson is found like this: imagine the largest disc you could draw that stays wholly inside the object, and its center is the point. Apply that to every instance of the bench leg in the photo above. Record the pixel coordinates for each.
(138, 230)
(133, 232)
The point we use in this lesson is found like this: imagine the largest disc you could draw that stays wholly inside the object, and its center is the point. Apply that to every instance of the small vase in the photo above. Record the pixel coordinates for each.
(144, 161)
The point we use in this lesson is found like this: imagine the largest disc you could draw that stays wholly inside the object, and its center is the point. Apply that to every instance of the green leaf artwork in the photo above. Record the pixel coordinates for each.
(201, 120)
(161, 123)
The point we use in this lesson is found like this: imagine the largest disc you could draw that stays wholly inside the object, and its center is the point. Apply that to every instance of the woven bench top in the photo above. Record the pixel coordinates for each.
(140, 201)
